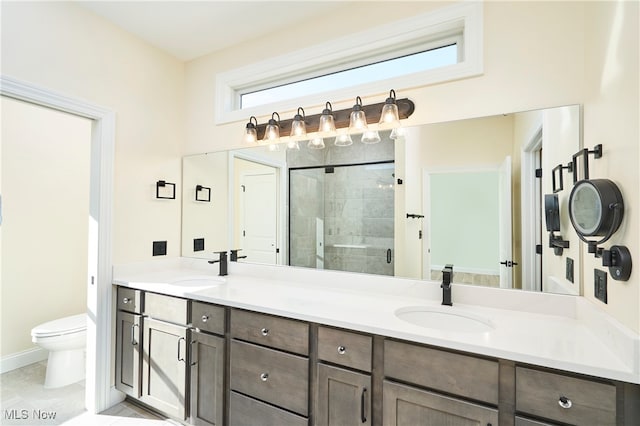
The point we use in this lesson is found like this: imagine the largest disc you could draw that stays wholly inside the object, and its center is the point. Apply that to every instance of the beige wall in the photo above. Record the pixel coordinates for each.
(45, 191)
(62, 47)
(536, 55)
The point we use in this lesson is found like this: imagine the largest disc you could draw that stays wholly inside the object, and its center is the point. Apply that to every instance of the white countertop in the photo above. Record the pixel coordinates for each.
(556, 331)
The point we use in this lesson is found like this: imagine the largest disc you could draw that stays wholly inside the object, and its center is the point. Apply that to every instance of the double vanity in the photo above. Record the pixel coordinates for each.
(285, 346)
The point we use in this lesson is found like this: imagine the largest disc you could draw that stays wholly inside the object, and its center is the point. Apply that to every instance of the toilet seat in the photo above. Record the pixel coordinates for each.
(62, 326)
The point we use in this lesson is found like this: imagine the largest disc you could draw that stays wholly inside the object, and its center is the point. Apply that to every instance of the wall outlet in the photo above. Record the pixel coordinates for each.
(569, 273)
(159, 248)
(600, 285)
(198, 244)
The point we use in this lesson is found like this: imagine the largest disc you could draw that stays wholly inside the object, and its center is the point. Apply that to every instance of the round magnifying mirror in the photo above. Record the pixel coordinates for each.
(593, 205)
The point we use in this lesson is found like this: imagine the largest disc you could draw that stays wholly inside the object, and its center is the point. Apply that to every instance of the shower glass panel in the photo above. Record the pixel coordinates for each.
(342, 217)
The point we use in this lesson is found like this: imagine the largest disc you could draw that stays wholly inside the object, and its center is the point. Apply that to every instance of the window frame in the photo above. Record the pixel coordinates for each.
(460, 23)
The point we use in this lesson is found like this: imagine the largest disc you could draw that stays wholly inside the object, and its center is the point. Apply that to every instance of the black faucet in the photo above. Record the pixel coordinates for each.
(447, 275)
(235, 257)
(223, 262)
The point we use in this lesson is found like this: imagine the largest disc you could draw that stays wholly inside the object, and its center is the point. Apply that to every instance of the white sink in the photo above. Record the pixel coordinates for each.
(199, 281)
(445, 318)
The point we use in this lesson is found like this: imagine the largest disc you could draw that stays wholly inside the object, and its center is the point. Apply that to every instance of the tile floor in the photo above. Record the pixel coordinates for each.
(25, 402)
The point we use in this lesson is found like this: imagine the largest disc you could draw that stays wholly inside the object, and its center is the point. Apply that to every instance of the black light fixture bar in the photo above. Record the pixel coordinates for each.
(406, 107)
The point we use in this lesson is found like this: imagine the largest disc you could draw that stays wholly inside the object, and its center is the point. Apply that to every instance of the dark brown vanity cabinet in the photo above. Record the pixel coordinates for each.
(129, 341)
(269, 370)
(427, 386)
(343, 378)
(207, 364)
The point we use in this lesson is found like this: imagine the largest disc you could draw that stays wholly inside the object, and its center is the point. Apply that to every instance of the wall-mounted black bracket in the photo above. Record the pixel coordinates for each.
(556, 176)
(618, 259)
(557, 243)
(584, 154)
(162, 184)
(200, 188)
(414, 216)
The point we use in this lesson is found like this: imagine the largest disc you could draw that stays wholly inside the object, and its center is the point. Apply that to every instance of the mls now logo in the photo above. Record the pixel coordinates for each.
(16, 414)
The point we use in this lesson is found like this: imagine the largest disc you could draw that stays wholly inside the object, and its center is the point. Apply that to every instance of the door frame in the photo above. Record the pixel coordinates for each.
(530, 210)
(99, 393)
(282, 208)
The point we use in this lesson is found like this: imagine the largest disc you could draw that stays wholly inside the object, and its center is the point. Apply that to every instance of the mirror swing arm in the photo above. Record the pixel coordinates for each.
(596, 208)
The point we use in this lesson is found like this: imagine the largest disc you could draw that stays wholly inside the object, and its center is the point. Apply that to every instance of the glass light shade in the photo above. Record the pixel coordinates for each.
(272, 130)
(316, 143)
(293, 144)
(298, 126)
(389, 117)
(250, 136)
(370, 137)
(397, 133)
(327, 123)
(343, 139)
(357, 119)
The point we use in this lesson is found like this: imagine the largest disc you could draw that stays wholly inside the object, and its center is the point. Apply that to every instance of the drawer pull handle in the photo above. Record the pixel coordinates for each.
(205, 318)
(194, 354)
(180, 358)
(342, 350)
(133, 334)
(126, 300)
(565, 402)
(264, 331)
(363, 411)
(264, 377)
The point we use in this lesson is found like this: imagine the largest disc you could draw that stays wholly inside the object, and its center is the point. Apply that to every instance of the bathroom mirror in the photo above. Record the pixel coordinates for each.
(462, 192)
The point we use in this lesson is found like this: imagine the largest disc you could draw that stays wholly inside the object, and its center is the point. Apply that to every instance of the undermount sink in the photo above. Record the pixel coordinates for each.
(445, 319)
(198, 281)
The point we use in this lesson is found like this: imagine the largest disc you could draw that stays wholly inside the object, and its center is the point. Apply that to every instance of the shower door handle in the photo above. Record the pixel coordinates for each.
(388, 255)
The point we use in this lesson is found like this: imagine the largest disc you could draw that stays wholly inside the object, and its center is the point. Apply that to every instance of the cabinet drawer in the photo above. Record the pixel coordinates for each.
(245, 411)
(405, 405)
(463, 375)
(269, 375)
(130, 300)
(522, 421)
(207, 317)
(281, 333)
(166, 308)
(539, 393)
(345, 348)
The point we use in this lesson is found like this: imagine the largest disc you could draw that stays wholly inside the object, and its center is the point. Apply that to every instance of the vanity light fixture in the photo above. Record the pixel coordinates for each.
(250, 132)
(389, 116)
(357, 119)
(327, 124)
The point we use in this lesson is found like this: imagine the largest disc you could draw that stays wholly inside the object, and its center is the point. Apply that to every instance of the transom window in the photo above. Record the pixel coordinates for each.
(439, 46)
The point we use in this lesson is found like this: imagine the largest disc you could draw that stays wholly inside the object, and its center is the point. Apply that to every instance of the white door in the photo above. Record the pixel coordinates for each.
(506, 260)
(259, 217)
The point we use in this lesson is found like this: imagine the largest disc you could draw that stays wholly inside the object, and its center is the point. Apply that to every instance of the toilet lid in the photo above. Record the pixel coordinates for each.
(61, 326)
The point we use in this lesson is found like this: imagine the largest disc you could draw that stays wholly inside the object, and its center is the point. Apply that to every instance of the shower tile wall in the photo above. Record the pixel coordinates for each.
(343, 219)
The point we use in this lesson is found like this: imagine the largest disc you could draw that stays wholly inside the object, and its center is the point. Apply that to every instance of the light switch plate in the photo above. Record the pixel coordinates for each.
(198, 244)
(159, 248)
(600, 285)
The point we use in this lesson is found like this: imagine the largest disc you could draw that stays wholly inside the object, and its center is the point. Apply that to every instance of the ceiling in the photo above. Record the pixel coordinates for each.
(189, 29)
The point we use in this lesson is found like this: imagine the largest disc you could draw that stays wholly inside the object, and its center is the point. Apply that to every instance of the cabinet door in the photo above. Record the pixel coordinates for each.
(164, 367)
(344, 397)
(128, 359)
(207, 373)
(407, 406)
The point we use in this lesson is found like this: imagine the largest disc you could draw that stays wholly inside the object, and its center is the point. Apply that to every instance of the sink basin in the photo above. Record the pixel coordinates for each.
(445, 319)
(198, 281)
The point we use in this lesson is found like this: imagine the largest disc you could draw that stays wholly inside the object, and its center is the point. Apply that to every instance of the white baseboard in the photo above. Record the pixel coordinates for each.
(20, 359)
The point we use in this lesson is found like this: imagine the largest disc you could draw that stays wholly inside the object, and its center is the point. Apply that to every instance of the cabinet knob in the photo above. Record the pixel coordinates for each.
(264, 331)
(126, 300)
(565, 402)
(205, 318)
(264, 377)
(342, 350)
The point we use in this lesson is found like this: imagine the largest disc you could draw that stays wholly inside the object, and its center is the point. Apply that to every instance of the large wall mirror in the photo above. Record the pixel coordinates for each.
(468, 193)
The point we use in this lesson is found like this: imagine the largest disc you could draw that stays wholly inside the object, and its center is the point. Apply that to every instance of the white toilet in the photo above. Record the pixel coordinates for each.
(66, 340)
